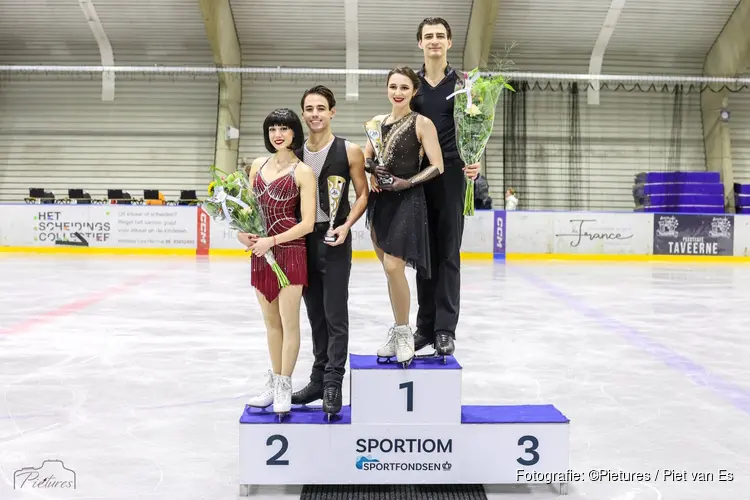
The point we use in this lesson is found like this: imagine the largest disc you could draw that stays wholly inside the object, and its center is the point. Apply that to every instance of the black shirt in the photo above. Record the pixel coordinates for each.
(431, 102)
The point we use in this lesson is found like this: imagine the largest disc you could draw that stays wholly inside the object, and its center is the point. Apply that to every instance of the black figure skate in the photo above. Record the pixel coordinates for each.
(443, 345)
(400, 344)
(332, 401)
(313, 391)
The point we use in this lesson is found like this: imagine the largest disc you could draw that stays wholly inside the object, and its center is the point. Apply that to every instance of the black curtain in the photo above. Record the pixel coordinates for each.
(675, 139)
(578, 196)
(514, 140)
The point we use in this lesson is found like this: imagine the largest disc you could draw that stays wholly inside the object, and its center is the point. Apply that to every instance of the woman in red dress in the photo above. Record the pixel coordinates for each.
(282, 185)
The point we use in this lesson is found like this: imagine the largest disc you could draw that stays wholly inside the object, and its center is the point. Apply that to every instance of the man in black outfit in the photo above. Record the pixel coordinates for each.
(439, 296)
(329, 263)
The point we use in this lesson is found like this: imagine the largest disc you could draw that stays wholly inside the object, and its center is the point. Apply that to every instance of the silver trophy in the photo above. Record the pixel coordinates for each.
(375, 136)
(335, 192)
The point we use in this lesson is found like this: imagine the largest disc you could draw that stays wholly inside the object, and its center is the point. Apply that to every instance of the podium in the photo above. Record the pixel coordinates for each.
(405, 426)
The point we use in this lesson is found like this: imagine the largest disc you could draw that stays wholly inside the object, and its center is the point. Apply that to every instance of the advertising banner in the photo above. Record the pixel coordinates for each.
(693, 234)
(601, 233)
(113, 226)
(499, 235)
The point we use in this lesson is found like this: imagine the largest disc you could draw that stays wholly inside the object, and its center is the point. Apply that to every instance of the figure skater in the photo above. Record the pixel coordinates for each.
(439, 297)
(397, 212)
(282, 185)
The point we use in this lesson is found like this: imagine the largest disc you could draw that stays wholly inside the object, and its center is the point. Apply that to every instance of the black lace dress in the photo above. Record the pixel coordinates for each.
(398, 219)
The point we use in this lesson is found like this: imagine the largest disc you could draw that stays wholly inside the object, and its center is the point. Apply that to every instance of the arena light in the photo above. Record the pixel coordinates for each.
(351, 29)
(105, 49)
(600, 46)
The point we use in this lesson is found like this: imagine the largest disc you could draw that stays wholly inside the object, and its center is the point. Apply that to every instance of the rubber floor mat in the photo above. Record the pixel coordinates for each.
(393, 492)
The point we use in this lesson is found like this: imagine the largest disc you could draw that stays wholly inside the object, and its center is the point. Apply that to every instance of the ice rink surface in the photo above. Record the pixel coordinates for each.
(134, 371)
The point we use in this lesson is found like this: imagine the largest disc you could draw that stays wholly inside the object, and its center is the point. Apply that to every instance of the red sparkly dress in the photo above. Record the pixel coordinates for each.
(279, 200)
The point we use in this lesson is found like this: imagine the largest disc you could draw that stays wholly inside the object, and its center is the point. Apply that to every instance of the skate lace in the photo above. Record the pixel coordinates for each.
(401, 340)
(284, 388)
(391, 334)
(284, 384)
(269, 379)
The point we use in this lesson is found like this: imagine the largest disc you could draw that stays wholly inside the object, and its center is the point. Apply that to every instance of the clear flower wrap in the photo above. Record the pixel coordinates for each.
(474, 114)
(233, 201)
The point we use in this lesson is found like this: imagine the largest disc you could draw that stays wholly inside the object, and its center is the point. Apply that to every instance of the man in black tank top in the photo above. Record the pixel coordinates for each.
(329, 263)
(439, 296)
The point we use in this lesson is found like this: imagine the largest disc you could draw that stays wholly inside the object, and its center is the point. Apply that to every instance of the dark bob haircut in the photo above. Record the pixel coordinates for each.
(284, 117)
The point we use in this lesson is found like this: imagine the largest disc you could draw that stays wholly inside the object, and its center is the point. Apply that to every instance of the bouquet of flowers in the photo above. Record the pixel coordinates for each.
(233, 200)
(474, 114)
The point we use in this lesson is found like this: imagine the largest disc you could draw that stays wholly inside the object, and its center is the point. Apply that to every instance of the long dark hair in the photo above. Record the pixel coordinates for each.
(283, 117)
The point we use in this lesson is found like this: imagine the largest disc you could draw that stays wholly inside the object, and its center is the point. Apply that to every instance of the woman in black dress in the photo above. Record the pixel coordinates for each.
(397, 211)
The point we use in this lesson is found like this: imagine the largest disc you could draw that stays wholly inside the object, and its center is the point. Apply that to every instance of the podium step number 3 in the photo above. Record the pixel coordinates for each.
(405, 426)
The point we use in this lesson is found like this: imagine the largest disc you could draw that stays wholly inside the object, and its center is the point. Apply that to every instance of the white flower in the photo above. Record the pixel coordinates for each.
(474, 110)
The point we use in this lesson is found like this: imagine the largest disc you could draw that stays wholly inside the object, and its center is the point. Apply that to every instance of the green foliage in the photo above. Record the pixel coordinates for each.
(232, 200)
(231, 195)
(474, 123)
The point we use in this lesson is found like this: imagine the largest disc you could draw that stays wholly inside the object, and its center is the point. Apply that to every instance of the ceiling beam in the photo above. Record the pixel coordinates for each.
(479, 33)
(728, 57)
(600, 47)
(351, 29)
(730, 53)
(225, 45)
(105, 48)
(221, 33)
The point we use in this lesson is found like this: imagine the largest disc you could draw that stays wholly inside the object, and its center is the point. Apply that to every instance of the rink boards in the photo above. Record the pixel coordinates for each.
(185, 230)
(405, 426)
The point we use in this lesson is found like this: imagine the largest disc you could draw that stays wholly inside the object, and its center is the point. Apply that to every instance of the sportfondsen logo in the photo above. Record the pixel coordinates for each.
(401, 446)
(363, 461)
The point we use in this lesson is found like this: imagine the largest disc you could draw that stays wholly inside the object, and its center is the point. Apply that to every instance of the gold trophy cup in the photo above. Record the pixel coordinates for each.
(375, 136)
(335, 192)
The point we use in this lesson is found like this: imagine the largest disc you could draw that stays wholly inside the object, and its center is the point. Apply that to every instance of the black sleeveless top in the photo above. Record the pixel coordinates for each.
(402, 151)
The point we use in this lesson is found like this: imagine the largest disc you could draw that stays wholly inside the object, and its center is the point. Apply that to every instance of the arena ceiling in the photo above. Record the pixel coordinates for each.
(654, 36)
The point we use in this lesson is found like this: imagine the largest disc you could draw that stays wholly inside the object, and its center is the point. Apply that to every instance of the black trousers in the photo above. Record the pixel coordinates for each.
(439, 297)
(327, 304)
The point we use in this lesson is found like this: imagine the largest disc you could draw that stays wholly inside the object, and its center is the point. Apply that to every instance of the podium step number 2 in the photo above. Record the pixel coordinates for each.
(405, 426)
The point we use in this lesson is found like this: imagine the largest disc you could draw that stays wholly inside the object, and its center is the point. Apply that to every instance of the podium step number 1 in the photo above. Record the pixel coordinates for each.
(405, 426)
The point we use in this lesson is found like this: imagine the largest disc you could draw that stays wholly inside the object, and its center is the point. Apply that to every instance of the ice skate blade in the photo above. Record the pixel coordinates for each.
(281, 415)
(434, 355)
(405, 363)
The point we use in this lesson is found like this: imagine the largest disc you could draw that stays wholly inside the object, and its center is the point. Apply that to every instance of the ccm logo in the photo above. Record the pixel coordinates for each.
(204, 228)
(499, 234)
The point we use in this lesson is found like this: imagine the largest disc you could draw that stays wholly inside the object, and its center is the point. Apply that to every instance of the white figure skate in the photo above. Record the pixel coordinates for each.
(388, 350)
(282, 397)
(400, 344)
(264, 399)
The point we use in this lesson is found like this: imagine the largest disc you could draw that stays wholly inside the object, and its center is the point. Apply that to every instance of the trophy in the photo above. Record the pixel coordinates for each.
(335, 192)
(372, 128)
